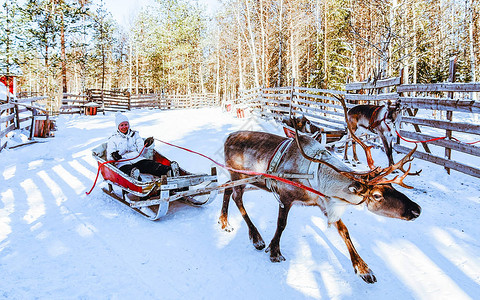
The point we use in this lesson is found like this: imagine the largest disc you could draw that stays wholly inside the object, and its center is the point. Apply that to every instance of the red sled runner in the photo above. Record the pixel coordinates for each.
(151, 196)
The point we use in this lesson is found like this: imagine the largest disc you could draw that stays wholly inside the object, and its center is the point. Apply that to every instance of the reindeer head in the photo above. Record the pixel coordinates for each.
(310, 127)
(297, 122)
(394, 112)
(384, 200)
(371, 188)
(380, 196)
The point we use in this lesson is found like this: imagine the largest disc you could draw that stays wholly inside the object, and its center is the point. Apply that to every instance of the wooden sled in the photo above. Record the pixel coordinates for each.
(151, 196)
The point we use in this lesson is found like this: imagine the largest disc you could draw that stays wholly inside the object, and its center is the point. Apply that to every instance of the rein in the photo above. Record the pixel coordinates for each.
(111, 161)
(248, 172)
(431, 140)
(376, 123)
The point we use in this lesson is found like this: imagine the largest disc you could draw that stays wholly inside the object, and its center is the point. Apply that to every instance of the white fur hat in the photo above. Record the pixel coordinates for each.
(119, 118)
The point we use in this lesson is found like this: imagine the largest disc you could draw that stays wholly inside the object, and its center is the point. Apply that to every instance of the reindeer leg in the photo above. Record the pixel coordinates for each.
(274, 247)
(355, 157)
(345, 155)
(223, 220)
(360, 267)
(253, 233)
(387, 146)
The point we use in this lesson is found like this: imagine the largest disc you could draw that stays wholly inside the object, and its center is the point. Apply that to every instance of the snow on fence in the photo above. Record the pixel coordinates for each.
(421, 121)
(73, 104)
(460, 129)
(18, 114)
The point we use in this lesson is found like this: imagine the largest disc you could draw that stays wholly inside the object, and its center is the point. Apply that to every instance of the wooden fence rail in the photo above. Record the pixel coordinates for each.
(18, 114)
(423, 104)
(325, 111)
(123, 101)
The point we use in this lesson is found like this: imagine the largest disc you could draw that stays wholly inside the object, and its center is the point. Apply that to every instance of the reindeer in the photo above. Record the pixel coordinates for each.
(340, 186)
(303, 124)
(378, 119)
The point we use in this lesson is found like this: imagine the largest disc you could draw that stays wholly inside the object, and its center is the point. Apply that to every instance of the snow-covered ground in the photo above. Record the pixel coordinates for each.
(58, 243)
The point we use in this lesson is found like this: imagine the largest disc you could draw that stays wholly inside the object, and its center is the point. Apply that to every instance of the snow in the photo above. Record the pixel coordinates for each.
(58, 243)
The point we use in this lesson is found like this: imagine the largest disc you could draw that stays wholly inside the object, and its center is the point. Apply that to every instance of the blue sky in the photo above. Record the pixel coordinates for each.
(125, 10)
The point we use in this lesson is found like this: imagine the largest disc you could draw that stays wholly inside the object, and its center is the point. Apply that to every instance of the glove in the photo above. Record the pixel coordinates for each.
(148, 141)
(116, 156)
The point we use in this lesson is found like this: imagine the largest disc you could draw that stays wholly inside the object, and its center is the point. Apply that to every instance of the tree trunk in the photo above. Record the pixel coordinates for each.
(280, 27)
(217, 79)
(252, 48)
(130, 66)
(240, 67)
(264, 57)
(473, 64)
(64, 56)
(325, 47)
(415, 46)
(136, 71)
(293, 59)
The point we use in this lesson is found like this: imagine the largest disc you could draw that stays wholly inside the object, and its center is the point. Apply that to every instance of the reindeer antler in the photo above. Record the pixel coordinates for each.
(398, 180)
(373, 177)
(352, 175)
(416, 173)
(380, 178)
(368, 152)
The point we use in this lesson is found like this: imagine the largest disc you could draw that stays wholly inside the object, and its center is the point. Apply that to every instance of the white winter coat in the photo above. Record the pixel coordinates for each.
(128, 146)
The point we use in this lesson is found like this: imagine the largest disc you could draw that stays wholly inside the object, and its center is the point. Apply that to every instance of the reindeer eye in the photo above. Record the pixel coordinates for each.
(377, 197)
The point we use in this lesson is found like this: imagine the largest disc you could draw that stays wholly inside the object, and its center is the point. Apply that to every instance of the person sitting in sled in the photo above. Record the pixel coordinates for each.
(126, 143)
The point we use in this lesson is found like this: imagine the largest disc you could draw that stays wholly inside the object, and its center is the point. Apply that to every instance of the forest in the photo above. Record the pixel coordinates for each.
(66, 46)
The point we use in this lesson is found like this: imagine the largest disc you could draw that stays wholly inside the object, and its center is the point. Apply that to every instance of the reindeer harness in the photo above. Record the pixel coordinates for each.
(374, 123)
(274, 163)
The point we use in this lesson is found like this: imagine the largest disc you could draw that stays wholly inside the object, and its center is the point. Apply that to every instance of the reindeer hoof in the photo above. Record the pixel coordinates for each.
(225, 226)
(368, 277)
(275, 257)
(278, 258)
(259, 245)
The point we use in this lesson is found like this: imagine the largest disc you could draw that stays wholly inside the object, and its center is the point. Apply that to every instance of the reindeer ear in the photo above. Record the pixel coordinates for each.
(356, 188)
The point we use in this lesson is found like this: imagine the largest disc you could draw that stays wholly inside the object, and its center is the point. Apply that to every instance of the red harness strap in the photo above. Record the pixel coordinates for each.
(110, 161)
(375, 123)
(431, 140)
(248, 172)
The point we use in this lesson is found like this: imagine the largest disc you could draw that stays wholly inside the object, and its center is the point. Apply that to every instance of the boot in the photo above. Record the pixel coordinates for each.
(175, 169)
(135, 173)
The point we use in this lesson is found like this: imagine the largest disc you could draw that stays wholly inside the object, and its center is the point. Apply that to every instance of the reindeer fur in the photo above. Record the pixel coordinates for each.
(246, 150)
(380, 120)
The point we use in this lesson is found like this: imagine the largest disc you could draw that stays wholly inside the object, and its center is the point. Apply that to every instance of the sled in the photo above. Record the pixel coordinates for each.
(151, 196)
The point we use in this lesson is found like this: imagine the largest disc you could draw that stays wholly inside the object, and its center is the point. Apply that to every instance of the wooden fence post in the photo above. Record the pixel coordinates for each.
(291, 98)
(452, 68)
(17, 117)
(32, 127)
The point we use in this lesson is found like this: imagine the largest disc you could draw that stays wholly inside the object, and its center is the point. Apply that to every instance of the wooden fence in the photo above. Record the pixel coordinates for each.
(123, 101)
(423, 104)
(19, 114)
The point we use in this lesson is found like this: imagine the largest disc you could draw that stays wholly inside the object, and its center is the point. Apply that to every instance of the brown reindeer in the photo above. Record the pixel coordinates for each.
(340, 186)
(303, 124)
(378, 119)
